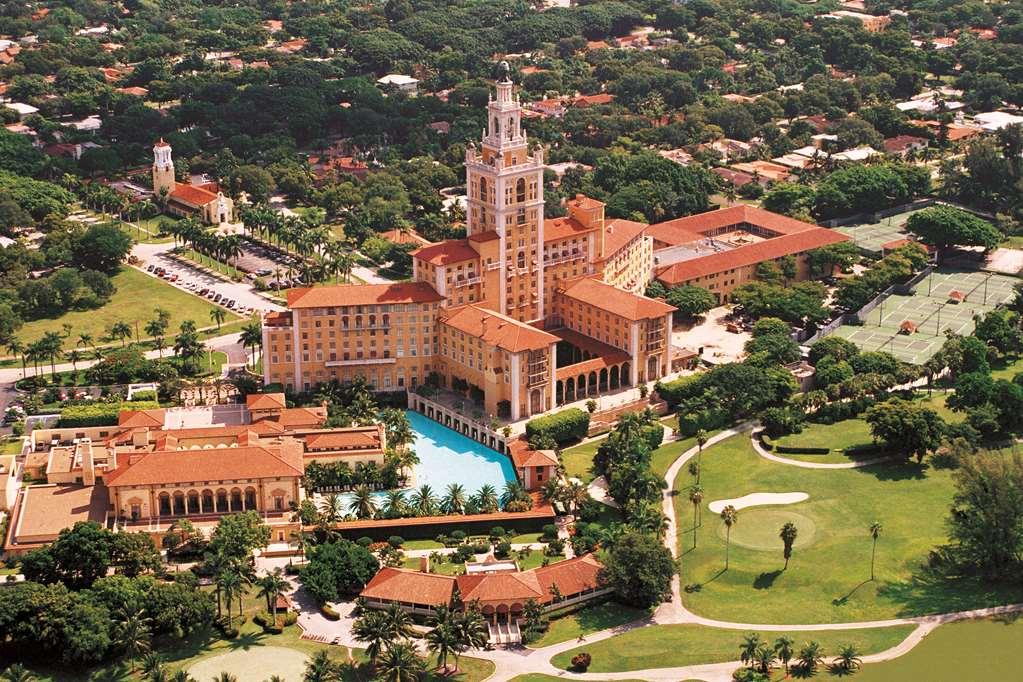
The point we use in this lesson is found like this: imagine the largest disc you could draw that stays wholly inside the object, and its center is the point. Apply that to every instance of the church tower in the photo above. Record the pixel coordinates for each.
(163, 170)
(504, 183)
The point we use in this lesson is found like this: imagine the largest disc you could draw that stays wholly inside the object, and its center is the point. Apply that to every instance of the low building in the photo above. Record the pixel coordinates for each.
(871, 23)
(902, 145)
(204, 201)
(400, 83)
(42, 511)
(991, 121)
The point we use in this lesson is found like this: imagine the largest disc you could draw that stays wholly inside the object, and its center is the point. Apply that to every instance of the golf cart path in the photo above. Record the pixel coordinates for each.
(766, 454)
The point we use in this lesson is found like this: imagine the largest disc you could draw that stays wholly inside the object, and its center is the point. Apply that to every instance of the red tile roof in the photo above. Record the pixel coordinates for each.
(901, 143)
(416, 587)
(356, 439)
(751, 254)
(496, 329)
(486, 236)
(298, 417)
(192, 195)
(363, 294)
(555, 229)
(734, 215)
(134, 418)
(618, 233)
(265, 401)
(616, 301)
(187, 466)
(446, 252)
(571, 576)
(524, 456)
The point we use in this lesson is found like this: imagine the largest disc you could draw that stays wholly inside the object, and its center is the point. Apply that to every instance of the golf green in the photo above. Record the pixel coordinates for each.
(758, 529)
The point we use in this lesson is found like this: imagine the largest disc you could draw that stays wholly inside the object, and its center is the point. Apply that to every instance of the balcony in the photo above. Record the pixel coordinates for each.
(466, 282)
(360, 361)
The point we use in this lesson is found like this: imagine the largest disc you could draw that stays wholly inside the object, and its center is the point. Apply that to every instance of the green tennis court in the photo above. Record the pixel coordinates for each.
(912, 328)
(872, 236)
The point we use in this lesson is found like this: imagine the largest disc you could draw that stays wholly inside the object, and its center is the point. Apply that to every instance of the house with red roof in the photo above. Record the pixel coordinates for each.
(204, 201)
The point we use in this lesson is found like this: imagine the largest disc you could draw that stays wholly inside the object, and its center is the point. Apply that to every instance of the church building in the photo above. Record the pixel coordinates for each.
(204, 201)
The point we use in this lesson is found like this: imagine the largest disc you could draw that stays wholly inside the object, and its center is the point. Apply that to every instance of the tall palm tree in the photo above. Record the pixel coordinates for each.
(53, 343)
(18, 673)
(748, 648)
(133, 635)
(875, 533)
(84, 339)
(788, 535)
(454, 499)
(701, 440)
(764, 658)
(218, 315)
(74, 357)
(696, 498)
(574, 495)
(320, 669)
(155, 330)
(363, 504)
(394, 506)
(272, 586)
(399, 622)
(486, 499)
(17, 348)
(424, 501)
(252, 337)
(332, 508)
(120, 330)
(810, 656)
(783, 649)
(730, 517)
(514, 492)
(444, 640)
(848, 658)
(229, 583)
(400, 663)
(373, 629)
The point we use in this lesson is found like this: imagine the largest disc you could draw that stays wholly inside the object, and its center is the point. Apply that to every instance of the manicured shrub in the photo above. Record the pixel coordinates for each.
(364, 541)
(396, 541)
(581, 661)
(562, 427)
(99, 414)
(676, 390)
(793, 450)
(653, 434)
(458, 535)
(497, 532)
(143, 396)
(550, 531)
(502, 550)
(708, 420)
(329, 612)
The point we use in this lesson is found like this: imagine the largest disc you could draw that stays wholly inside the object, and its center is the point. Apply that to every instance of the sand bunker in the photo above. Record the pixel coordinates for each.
(755, 499)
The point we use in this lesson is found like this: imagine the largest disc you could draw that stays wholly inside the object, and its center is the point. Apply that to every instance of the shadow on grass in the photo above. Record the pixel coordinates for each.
(934, 591)
(765, 580)
(844, 599)
(838, 670)
(896, 470)
(246, 641)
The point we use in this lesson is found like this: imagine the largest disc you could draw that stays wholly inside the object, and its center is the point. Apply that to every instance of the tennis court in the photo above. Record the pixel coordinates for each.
(912, 328)
(871, 236)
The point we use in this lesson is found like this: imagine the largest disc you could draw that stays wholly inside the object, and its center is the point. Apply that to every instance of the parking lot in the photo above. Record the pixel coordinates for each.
(237, 297)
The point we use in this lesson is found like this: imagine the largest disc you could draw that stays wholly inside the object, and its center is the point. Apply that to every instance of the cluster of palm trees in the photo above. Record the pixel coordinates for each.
(571, 495)
(761, 655)
(424, 501)
(46, 348)
(323, 255)
(216, 247)
(388, 634)
(100, 197)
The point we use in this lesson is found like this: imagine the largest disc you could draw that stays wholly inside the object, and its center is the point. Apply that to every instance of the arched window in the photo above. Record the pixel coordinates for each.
(483, 189)
(520, 190)
(497, 127)
(511, 127)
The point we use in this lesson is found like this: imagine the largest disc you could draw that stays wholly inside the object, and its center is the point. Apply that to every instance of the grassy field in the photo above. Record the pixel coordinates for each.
(578, 459)
(1007, 370)
(137, 297)
(588, 620)
(536, 559)
(967, 650)
(669, 646)
(11, 446)
(828, 578)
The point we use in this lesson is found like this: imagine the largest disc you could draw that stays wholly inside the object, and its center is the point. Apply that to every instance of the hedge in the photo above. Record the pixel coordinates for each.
(794, 450)
(654, 435)
(564, 427)
(100, 414)
(708, 420)
(676, 390)
(329, 613)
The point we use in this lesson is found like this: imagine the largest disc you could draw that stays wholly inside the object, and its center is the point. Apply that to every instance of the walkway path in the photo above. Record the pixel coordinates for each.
(767, 454)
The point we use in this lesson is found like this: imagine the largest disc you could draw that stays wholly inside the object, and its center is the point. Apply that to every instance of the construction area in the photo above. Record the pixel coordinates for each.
(913, 327)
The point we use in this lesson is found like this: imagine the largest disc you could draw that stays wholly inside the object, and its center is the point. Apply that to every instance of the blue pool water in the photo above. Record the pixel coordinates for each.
(446, 456)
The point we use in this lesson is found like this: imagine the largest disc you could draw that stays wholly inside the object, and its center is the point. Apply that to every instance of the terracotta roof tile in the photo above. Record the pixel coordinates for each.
(265, 401)
(446, 252)
(135, 418)
(725, 217)
(416, 587)
(616, 301)
(192, 195)
(186, 466)
(564, 228)
(363, 294)
(524, 456)
(618, 233)
(496, 329)
(750, 254)
(356, 439)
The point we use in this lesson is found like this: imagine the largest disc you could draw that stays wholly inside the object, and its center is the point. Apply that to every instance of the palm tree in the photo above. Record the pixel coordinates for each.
(18, 673)
(788, 535)
(696, 498)
(52, 343)
(151, 662)
(514, 492)
(764, 658)
(121, 330)
(225, 677)
(401, 664)
(320, 669)
(783, 649)
(748, 648)
(182, 676)
(444, 640)
(875, 533)
(218, 315)
(424, 501)
(486, 499)
(574, 495)
(16, 347)
(849, 658)
(373, 629)
(810, 656)
(363, 505)
(157, 674)
(730, 516)
(701, 440)
(252, 337)
(399, 622)
(133, 635)
(454, 499)
(74, 357)
(394, 506)
(332, 508)
(271, 586)
(230, 584)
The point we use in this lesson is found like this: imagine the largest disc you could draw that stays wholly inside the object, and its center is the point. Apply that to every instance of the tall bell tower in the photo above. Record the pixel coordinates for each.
(163, 169)
(505, 208)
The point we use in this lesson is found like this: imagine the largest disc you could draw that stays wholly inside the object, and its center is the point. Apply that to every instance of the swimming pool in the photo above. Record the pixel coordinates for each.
(446, 456)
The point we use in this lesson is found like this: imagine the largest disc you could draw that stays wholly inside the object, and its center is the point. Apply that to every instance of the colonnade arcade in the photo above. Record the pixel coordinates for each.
(573, 386)
(195, 501)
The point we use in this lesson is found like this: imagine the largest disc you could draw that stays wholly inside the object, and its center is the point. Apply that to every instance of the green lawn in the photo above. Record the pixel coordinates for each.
(537, 677)
(1006, 370)
(669, 646)
(588, 620)
(536, 559)
(11, 446)
(135, 300)
(827, 578)
(421, 544)
(440, 568)
(967, 650)
(578, 459)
